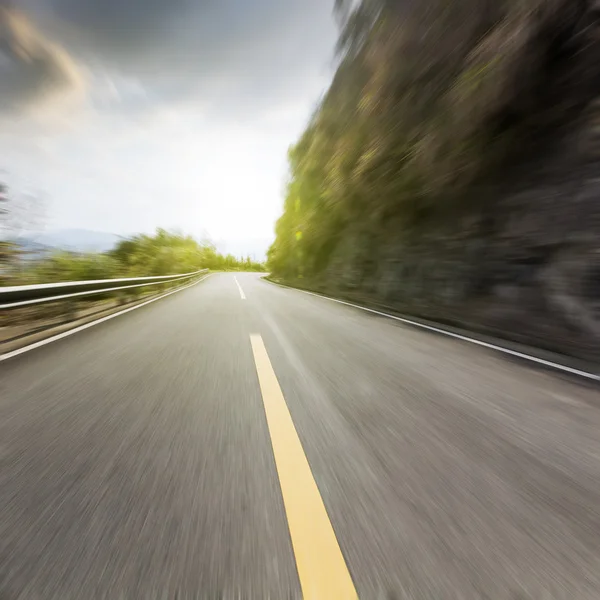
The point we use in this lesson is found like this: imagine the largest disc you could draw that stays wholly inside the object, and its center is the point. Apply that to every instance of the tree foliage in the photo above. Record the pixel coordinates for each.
(165, 253)
(9, 252)
(433, 101)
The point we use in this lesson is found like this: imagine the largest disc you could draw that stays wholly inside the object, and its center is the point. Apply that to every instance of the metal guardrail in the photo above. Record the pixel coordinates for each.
(25, 295)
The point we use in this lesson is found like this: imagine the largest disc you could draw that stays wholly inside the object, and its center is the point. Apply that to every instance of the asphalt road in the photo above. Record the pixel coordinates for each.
(136, 461)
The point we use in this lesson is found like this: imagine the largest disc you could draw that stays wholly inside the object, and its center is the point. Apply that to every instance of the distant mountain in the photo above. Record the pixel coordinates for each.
(31, 250)
(77, 240)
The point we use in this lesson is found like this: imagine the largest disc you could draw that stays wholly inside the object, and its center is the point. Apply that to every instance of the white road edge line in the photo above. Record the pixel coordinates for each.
(240, 288)
(457, 336)
(65, 334)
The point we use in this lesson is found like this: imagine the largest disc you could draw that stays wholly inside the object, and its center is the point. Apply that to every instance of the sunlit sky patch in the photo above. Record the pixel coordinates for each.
(133, 114)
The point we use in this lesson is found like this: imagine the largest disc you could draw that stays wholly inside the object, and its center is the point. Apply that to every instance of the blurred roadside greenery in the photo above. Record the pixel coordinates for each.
(164, 253)
(435, 109)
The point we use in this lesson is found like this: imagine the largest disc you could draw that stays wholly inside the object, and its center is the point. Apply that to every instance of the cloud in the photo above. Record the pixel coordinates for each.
(183, 35)
(239, 54)
(33, 70)
(188, 109)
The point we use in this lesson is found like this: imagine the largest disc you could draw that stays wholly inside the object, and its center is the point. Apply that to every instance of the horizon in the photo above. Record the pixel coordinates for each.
(70, 240)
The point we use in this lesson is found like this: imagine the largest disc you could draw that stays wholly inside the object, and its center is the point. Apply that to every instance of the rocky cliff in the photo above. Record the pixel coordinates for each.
(453, 169)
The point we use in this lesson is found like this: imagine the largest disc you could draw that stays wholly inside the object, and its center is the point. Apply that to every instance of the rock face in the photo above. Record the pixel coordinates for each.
(528, 269)
(505, 110)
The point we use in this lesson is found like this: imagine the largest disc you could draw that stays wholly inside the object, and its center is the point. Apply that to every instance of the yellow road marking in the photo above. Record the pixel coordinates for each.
(321, 567)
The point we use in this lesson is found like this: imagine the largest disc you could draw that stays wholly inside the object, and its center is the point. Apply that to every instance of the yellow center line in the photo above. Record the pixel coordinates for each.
(321, 567)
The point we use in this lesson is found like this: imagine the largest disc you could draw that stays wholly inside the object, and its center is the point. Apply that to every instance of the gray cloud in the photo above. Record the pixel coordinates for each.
(32, 68)
(129, 32)
(243, 53)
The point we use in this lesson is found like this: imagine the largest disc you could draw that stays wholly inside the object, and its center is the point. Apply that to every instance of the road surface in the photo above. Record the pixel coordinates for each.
(137, 461)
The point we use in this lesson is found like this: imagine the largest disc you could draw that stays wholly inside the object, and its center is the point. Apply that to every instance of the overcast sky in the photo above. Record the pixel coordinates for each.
(132, 114)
